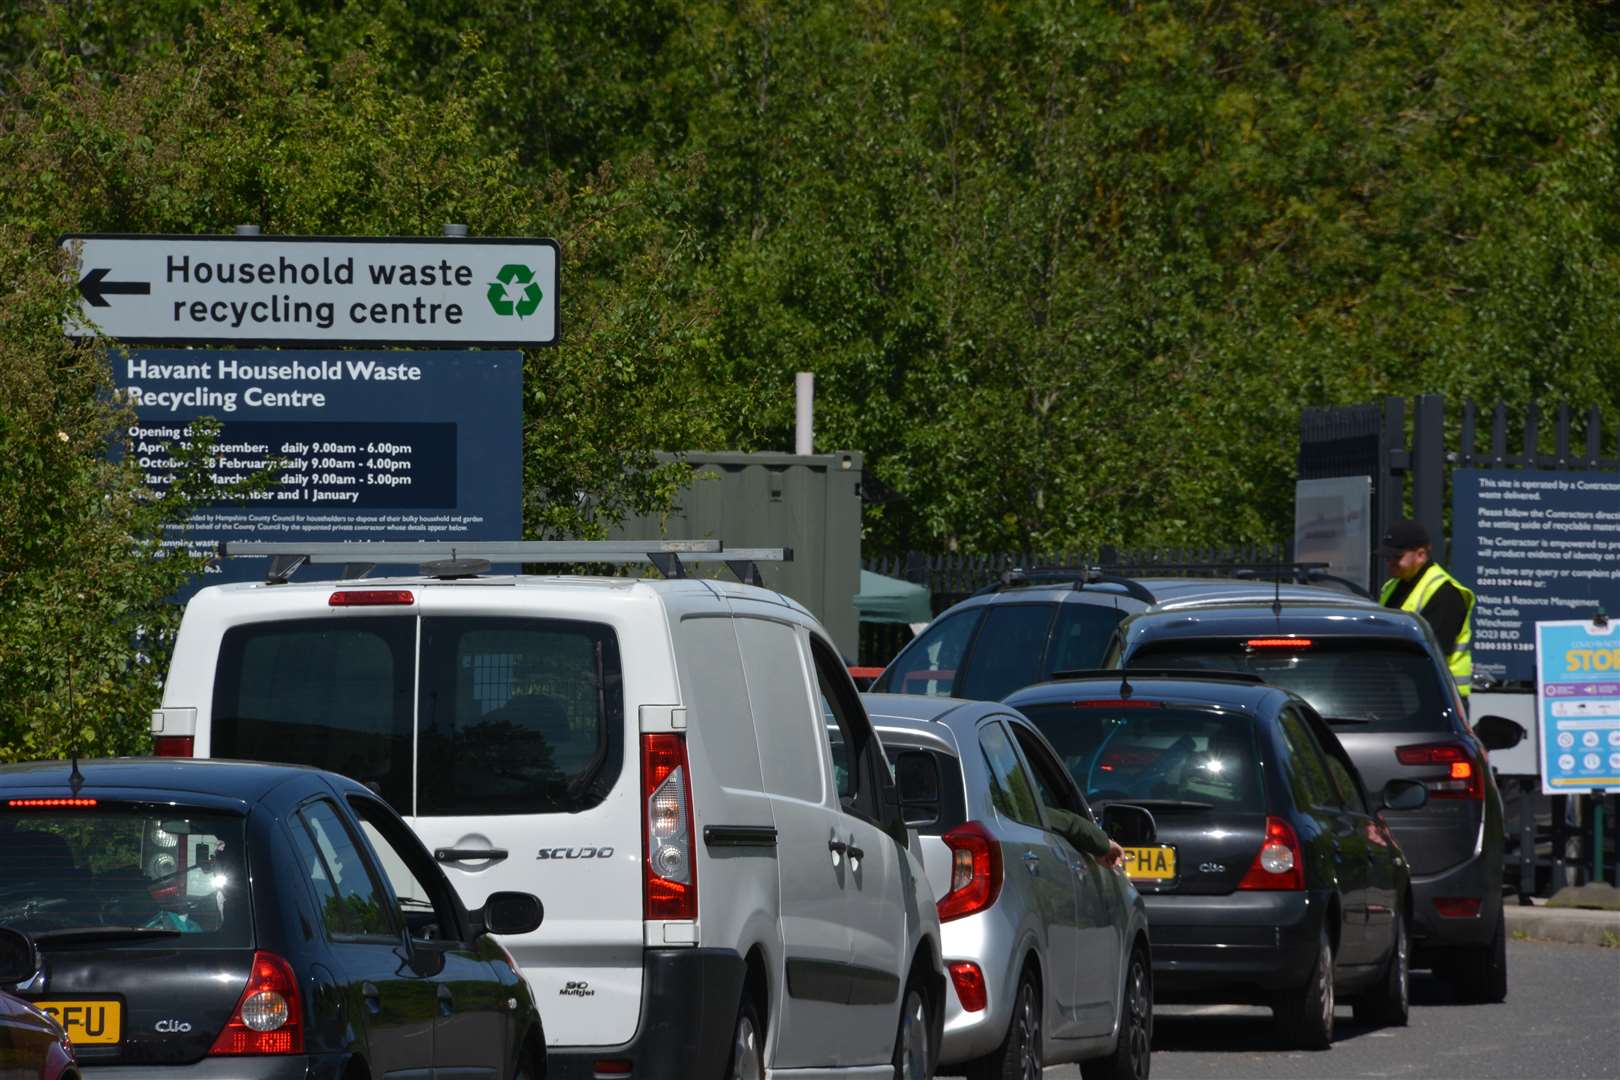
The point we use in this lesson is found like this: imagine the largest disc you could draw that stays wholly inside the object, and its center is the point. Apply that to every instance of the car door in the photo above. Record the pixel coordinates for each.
(874, 888)
(390, 1000)
(812, 840)
(1029, 851)
(1319, 799)
(471, 1034)
(1099, 902)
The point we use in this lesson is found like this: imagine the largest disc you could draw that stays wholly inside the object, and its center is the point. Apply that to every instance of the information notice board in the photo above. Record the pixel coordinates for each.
(1535, 546)
(365, 445)
(1578, 706)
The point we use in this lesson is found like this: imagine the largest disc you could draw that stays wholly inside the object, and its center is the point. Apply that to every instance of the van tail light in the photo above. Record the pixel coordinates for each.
(1464, 775)
(666, 839)
(975, 871)
(1279, 864)
(268, 1018)
(173, 745)
(969, 983)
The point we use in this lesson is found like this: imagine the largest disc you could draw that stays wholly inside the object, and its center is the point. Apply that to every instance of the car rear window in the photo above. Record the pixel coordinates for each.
(1371, 686)
(1141, 751)
(163, 877)
(509, 715)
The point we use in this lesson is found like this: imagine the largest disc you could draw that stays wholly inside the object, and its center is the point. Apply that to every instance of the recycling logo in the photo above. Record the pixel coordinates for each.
(519, 279)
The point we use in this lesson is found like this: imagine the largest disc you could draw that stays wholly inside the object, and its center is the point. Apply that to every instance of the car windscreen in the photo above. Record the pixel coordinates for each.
(511, 715)
(124, 877)
(1142, 751)
(1357, 685)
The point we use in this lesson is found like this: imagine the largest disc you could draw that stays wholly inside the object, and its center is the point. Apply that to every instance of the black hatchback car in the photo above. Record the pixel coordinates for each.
(218, 919)
(1378, 678)
(1272, 879)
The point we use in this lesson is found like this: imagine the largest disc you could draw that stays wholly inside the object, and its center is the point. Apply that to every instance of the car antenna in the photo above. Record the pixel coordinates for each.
(1276, 595)
(1125, 690)
(75, 778)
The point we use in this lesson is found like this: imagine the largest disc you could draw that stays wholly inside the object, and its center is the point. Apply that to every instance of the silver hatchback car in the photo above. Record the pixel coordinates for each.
(1046, 949)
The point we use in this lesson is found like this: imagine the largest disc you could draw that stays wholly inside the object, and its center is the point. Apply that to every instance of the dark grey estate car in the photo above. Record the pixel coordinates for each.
(1378, 678)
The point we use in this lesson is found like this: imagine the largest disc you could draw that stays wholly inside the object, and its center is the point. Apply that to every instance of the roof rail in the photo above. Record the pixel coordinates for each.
(1126, 674)
(1078, 576)
(454, 559)
(1300, 573)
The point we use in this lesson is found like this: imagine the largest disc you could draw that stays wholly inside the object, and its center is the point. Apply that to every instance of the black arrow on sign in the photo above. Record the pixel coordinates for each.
(95, 288)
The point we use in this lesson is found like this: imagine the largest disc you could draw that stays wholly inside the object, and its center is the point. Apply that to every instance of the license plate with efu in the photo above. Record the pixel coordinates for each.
(1150, 863)
(87, 1023)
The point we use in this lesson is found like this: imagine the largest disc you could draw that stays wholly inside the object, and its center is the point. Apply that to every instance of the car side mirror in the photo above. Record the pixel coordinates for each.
(19, 962)
(1402, 794)
(916, 775)
(1129, 826)
(1499, 733)
(510, 913)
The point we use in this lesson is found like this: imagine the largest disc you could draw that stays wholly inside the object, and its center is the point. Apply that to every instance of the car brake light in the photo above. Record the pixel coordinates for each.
(969, 983)
(671, 873)
(370, 598)
(1464, 777)
(268, 1018)
(173, 745)
(975, 871)
(1457, 907)
(1279, 643)
(1279, 864)
(1115, 703)
(50, 804)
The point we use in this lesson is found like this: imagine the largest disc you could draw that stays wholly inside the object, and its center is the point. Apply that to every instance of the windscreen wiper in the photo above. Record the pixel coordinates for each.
(1349, 719)
(1156, 804)
(103, 933)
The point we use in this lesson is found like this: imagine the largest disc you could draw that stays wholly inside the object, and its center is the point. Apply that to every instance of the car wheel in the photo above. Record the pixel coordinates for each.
(1305, 1016)
(1390, 1005)
(1133, 1054)
(747, 1045)
(1479, 975)
(1019, 1055)
(913, 1056)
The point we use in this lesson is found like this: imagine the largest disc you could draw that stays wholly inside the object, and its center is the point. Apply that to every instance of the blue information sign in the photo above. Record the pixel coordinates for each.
(1578, 706)
(1535, 546)
(364, 445)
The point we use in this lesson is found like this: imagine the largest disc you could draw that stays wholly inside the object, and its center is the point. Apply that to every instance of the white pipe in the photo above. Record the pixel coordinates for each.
(804, 413)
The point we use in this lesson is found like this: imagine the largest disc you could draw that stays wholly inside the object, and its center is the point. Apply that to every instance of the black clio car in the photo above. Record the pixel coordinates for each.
(1273, 879)
(217, 919)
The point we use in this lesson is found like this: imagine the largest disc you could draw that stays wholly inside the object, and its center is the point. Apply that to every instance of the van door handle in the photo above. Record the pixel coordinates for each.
(855, 852)
(837, 846)
(462, 854)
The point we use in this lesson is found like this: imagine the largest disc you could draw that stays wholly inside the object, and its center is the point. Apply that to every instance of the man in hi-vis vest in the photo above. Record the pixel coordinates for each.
(1419, 585)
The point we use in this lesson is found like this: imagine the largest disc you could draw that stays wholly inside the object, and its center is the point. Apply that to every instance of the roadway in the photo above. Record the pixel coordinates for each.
(1561, 1020)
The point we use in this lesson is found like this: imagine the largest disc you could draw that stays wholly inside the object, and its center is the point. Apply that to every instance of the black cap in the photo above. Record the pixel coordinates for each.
(1403, 535)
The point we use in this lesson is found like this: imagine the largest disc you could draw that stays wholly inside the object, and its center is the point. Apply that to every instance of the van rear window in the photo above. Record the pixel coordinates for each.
(507, 716)
(1370, 686)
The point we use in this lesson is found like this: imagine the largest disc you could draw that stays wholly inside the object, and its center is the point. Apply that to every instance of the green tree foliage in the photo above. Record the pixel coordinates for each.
(1067, 270)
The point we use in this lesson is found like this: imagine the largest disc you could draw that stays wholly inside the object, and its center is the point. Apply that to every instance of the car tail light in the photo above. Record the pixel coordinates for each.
(268, 1018)
(173, 745)
(1457, 907)
(1464, 777)
(1279, 864)
(969, 983)
(1279, 643)
(370, 598)
(671, 873)
(975, 871)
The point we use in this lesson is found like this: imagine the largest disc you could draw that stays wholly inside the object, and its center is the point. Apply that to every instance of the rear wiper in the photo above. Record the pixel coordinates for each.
(1349, 719)
(1158, 804)
(104, 933)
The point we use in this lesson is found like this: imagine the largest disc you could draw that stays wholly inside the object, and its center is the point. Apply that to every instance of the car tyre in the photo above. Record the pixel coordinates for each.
(747, 1044)
(913, 1054)
(1305, 1016)
(1019, 1055)
(1479, 975)
(1132, 1058)
(1391, 1004)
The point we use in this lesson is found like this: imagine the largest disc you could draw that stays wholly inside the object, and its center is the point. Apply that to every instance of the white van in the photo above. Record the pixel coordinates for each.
(680, 769)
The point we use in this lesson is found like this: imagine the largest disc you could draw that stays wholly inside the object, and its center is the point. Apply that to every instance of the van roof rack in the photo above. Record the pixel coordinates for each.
(451, 559)
(1078, 576)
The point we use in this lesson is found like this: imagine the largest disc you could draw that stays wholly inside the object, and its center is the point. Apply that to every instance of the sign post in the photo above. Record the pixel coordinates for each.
(316, 290)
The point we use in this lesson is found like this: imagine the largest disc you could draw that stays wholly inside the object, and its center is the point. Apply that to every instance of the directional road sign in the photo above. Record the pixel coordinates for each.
(316, 290)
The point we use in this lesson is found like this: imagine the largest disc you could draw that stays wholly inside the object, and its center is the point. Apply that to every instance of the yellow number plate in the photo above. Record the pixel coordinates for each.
(1150, 863)
(87, 1023)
